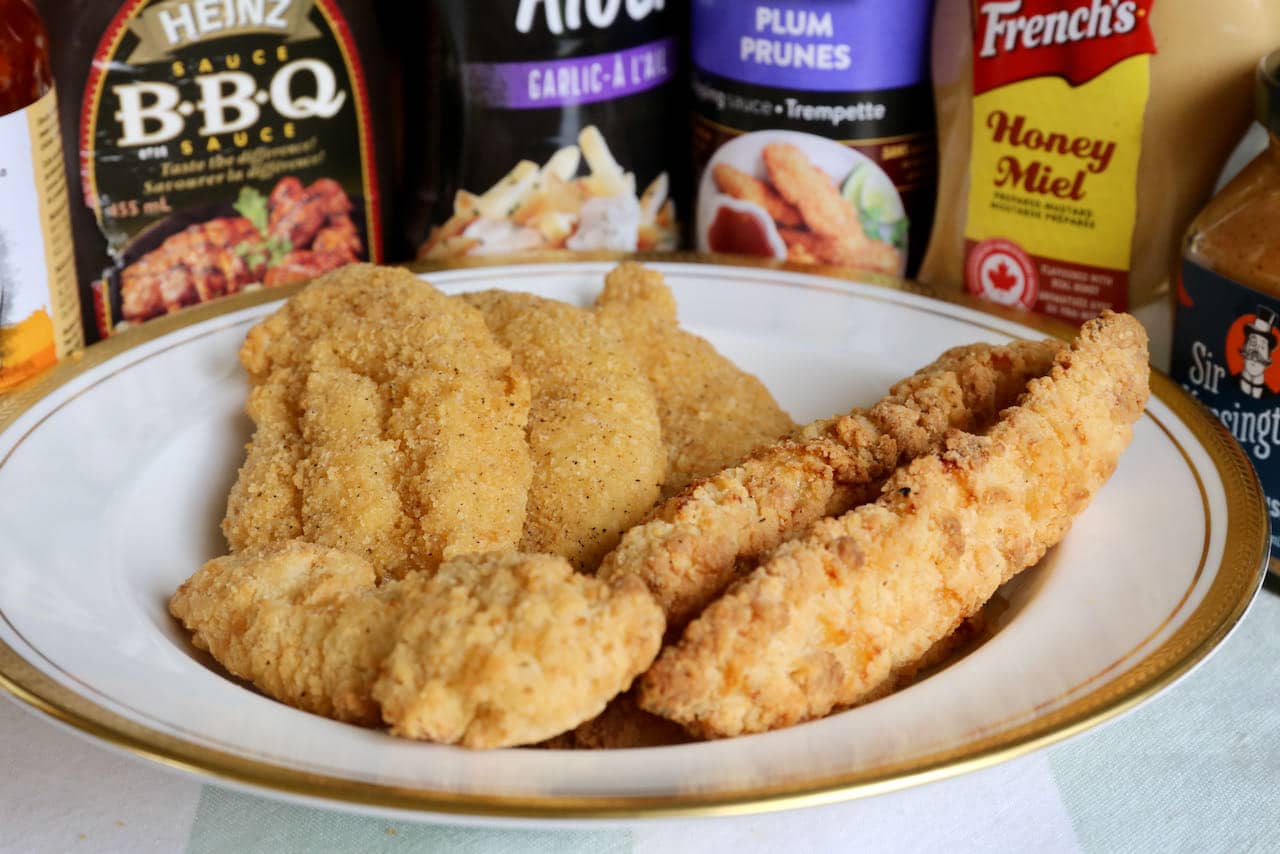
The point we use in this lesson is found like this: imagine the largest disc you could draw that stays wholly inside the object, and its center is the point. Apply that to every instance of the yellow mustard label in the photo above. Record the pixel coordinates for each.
(1053, 190)
(39, 304)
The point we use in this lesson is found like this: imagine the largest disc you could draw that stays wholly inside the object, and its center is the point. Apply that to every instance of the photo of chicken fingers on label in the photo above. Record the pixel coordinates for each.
(552, 207)
(800, 198)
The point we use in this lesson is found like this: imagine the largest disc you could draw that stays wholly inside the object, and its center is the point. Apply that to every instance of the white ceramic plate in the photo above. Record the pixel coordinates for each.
(113, 475)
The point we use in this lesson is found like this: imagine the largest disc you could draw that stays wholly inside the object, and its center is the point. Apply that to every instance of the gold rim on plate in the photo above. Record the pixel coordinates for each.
(1235, 582)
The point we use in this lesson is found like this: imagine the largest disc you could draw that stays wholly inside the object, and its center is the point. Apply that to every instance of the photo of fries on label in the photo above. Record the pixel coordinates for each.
(801, 198)
(552, 207)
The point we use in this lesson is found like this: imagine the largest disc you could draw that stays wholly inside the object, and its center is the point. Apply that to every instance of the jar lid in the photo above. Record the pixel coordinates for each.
(1266, 92)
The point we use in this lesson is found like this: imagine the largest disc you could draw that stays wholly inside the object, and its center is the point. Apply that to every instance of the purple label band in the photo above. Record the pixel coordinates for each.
(814, 45)
(565, 82)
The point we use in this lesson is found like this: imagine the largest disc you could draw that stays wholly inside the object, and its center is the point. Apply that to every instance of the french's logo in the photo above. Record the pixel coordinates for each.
(1018, 39)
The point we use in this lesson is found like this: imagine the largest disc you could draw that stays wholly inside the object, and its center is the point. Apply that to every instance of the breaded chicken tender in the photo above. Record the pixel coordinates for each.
(696, 541)
(304, 623)
(489, 651)
(734, 182)
(807, 247)
(828, 617)
(593, 432)
(388, 422)
(712, 412)
(810, 190)
(799, 248)
(507, 649)
(837, 236)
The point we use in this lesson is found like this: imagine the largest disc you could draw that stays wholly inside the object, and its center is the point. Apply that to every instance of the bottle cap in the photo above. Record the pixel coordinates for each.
(1266, 92)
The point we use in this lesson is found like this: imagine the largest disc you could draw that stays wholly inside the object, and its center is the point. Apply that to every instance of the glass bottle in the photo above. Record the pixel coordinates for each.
(39, 307)
(1226, 346)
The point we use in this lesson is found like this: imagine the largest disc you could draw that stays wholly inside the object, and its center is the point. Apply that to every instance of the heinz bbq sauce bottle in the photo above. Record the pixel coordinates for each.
(1226, 338)
(219, 145)
(547, 124)
(813, 131)
(39, 311)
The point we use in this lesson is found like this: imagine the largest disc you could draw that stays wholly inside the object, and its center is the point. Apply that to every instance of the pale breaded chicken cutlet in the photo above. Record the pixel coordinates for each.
(388, 422)
(594, 434)
(712, 412)
(488, 650)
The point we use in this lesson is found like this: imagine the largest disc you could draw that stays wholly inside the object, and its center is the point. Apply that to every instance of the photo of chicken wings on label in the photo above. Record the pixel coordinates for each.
(293, 234)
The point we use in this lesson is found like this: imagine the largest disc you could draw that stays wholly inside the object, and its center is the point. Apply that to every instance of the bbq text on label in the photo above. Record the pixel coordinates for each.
(225, 143)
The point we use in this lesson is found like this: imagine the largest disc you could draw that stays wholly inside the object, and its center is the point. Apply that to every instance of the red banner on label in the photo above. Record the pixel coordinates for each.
(1073, 39)
(1001, 271)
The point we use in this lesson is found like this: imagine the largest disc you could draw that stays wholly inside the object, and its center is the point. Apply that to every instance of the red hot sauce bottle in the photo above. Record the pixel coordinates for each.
(39, 306)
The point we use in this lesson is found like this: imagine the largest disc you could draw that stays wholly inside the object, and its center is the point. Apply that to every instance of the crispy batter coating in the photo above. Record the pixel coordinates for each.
(489, 651)
(510, 649)
(696, 541)
(811, 190)
(803, 247)
(594, 435)
(623, 724)
(389, 423)
(712, 412)
(807, 247)
(830, 616)
(837, 236)
(859, 251)
(304, 623)
(798, 250)
(748, 188)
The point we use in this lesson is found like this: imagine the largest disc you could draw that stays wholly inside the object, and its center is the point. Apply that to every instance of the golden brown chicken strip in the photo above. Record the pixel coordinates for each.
(836, 235)
(302, 622)
(712, 412)
(696, 541)
(798, 254)
(748, 188)
(807, 247)
(389, 423)
(533, 649)
(594, 435)
(828, 617)
(489, 651)
(801, 245)
(811, 190)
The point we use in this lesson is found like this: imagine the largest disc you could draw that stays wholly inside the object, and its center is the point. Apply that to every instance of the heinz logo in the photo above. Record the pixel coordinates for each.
(1017, 39)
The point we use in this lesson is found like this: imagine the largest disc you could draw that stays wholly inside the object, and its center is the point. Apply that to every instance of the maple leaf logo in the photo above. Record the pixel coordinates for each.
(1001, 277)
(1001, 270)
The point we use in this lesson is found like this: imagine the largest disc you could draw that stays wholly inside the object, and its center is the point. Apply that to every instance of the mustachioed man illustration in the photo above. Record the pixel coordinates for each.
(1259, 344)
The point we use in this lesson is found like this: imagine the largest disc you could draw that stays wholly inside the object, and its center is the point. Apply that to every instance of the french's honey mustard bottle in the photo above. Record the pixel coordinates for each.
(39, 307)
(1226, 345)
